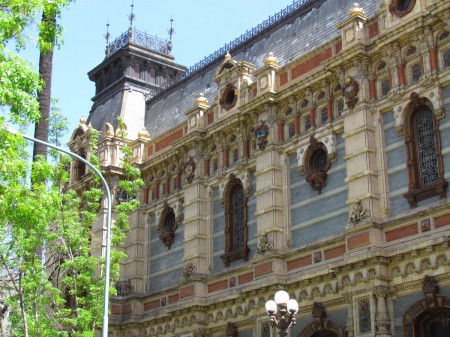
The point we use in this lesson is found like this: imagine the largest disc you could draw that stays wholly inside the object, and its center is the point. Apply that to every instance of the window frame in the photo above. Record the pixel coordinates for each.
(232, 253)
(416, 191)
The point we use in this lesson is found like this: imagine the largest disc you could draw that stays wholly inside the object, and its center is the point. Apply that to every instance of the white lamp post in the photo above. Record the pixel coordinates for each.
(282, 312)
(108, 220)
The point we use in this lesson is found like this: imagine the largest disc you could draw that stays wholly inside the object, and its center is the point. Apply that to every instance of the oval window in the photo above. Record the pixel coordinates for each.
(401, 7)
(229, 97)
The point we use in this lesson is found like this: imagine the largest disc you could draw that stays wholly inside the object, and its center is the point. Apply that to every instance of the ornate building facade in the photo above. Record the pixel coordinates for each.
(312, 155)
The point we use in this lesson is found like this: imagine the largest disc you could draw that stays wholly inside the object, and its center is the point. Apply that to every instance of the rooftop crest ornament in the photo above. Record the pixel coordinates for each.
(282, 312)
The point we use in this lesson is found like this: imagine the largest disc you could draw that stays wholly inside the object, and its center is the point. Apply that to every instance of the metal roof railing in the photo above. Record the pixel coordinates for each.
(139, 38)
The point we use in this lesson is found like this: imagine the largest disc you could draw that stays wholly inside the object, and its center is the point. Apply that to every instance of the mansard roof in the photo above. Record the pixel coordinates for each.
(296, 33)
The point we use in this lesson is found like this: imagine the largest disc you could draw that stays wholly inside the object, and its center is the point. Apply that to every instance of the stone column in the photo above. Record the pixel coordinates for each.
(350, 321)
(297, 124)
(280, 124)
(312, 113)
(401, 74)
(382, 321)
(372, 88)
(330, 109)
(225, 156)
(145, 198)
(206, 166)
(167, 183)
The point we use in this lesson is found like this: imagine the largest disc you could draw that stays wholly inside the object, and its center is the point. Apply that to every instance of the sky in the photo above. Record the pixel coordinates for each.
(201, 27)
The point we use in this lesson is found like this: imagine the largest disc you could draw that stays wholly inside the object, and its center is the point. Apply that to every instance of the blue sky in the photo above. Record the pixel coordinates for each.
(201, 27)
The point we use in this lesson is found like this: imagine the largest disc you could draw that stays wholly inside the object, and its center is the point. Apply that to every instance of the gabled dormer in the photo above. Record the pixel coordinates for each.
(232, 78)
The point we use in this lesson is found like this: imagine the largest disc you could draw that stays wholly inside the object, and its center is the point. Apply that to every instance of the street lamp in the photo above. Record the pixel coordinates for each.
(283, 308)
(108, 219)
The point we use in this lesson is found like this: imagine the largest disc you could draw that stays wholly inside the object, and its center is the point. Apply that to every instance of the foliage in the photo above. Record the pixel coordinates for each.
(64, 295)
(19, 82)
(61, 294)
(59, 126)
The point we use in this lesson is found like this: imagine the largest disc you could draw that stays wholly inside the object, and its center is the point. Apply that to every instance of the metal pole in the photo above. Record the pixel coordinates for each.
(108, 220)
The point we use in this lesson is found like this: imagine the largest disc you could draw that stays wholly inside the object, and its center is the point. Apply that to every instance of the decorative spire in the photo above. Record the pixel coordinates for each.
(107, 36)
(171, 31)
(131, 17)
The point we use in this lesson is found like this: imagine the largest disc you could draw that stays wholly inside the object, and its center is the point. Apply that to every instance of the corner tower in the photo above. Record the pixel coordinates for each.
(137, 66)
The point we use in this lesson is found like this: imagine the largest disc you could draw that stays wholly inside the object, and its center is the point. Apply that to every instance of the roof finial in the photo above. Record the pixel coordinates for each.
(131, 16)
(171, 31)
(107, 36)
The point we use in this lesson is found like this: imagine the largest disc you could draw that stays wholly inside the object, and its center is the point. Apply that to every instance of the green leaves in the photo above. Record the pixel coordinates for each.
(19, 84)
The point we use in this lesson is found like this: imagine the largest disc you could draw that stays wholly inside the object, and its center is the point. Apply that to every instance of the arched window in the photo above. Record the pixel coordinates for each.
(423, 152)
(236, 231)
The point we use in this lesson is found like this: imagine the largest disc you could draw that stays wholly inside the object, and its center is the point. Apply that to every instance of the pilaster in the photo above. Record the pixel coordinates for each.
(362, 171)
(270, 178)
(195, 227)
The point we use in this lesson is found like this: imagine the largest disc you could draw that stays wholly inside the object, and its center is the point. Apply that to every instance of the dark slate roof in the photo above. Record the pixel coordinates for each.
(308, 27)
(107, 111)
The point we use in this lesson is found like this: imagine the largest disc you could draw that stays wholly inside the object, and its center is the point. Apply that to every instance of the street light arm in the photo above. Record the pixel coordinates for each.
(108, 218)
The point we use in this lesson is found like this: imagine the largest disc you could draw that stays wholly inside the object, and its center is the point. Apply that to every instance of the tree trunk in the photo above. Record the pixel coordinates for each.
(41, 128)
(44, 97)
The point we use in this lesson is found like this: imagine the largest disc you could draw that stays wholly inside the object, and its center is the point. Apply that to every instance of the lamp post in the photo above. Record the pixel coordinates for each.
(108, 219)
(282, 312)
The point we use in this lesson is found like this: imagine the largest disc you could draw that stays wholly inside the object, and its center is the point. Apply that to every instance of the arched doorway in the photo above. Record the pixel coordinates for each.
(322, 327)
(429, 317)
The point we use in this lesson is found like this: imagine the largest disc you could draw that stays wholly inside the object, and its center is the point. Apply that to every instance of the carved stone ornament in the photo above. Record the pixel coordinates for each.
(264, 245)
(317, 163)
(189, 170)
(350, 92)
(189, 271)
(261, 133)
(200, 333)
(167, 226)
(318, 311)
(232, 330)
(358, 213)
(123, 287)
(430, 285)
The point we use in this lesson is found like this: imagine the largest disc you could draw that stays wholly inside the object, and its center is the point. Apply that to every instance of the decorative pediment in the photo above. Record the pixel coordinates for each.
(233, 78)
(227, 64)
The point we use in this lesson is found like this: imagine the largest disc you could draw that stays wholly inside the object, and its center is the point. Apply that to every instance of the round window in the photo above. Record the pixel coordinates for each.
(401, 7)
(229, 97)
